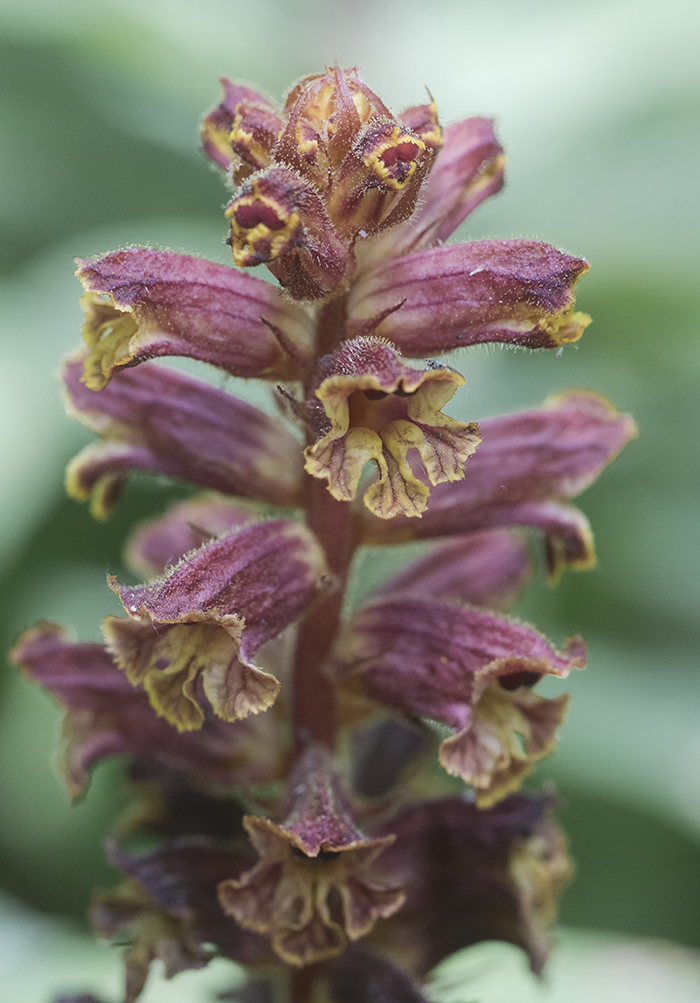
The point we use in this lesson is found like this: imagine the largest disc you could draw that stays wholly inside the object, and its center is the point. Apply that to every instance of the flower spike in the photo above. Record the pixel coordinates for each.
(258, 850)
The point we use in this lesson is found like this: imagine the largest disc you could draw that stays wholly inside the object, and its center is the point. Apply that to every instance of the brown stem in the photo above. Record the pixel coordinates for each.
(314, 695)
(301, 983)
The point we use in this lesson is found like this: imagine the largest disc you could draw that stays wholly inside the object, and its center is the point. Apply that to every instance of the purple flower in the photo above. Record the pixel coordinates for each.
(316, 853)
(207, 616)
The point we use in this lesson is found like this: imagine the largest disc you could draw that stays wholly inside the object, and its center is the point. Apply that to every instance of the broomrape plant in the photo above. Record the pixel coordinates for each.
(284, 752)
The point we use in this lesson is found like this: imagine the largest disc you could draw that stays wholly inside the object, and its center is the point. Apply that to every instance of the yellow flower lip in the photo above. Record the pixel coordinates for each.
(395, 161)
(373, 406)
(261, 229)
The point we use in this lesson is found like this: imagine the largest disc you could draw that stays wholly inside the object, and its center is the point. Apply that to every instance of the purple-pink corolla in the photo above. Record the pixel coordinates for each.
(280, 745)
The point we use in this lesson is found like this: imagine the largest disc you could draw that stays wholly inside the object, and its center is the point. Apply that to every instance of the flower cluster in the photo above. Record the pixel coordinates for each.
(281, 747)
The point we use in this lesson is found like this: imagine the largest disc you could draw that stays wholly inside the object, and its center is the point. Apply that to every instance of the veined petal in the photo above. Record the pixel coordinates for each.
(318, 851)
(467, 668)
(371, 405)
(483, 569)
(207, 616)
(106, 716)
(527, 463)
(158, 420)
(142, 303)
(507, 735)
(159, 543)
(515, 291)
(474, 874)
(468, 169)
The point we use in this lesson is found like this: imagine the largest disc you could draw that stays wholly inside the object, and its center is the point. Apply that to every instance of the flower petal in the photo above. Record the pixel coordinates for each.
(468, 169)
(159, 543)
(206, 617)
(526, 463)
(514, 291)
(507, 735)
(317, 851)
(470, 670)
(158, 420)
(142, 303)
(483, 569)
(472, 875)
(106, 716)
(370, 405)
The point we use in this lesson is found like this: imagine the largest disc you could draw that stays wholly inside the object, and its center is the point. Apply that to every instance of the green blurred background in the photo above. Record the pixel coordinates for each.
(597, 106)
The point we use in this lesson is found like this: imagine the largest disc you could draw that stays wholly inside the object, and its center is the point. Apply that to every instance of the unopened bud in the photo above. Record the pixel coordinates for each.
(380, 180)
(281, 221)
(422, 119)
(253, 135)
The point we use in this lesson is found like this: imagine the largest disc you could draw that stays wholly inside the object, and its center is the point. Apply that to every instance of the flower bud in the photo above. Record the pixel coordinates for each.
(240, 132)
(280, 220)
(379, 180)
(253, 135)
(422, 119)
(325, 114)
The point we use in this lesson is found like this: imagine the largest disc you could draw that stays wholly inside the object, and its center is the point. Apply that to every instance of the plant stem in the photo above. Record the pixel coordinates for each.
(314, 696)
(301, 984)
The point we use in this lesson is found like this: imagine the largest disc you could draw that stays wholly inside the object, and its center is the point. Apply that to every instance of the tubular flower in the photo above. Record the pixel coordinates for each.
(107, 716)
(142, 304)
(474, 874)
(469, 670)
(241, 685)
(208, 615)
(373, 406)
(317, 852)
